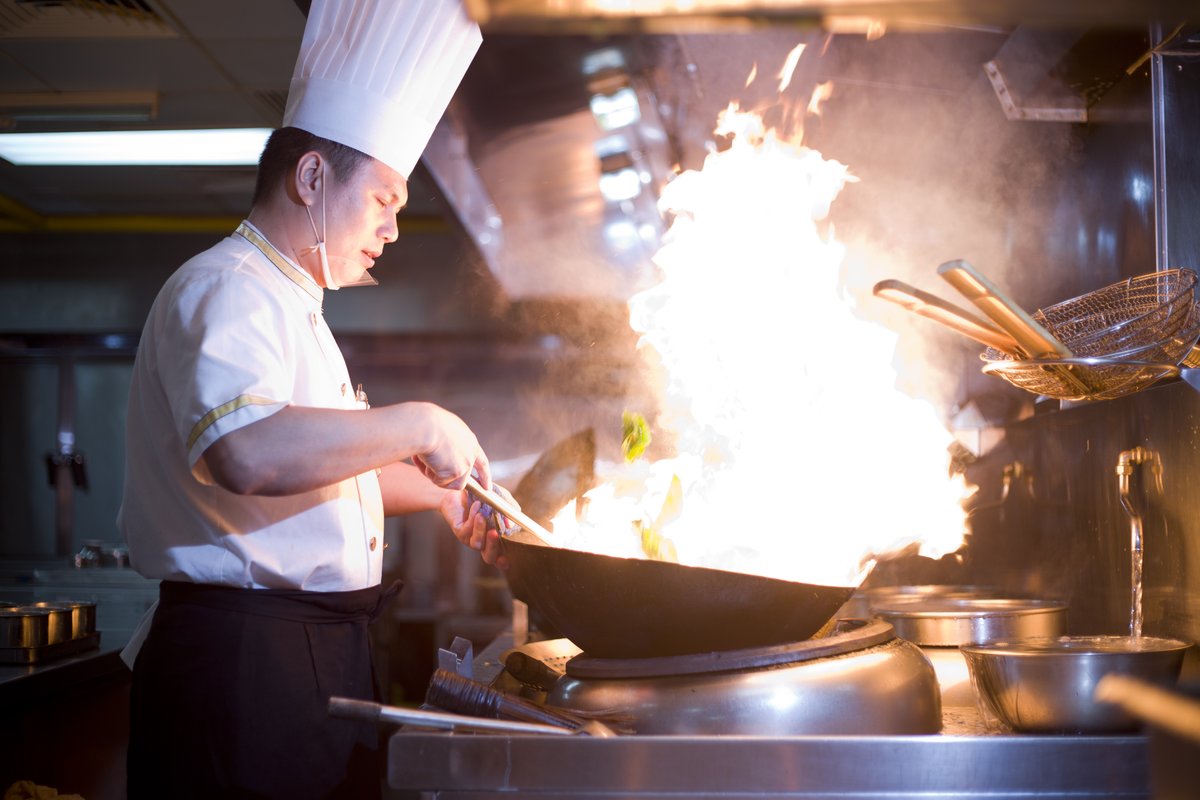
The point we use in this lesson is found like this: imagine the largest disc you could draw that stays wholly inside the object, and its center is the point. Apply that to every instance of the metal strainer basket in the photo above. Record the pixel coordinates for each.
(1134, 313)
(1081, 378)
(1124, 337)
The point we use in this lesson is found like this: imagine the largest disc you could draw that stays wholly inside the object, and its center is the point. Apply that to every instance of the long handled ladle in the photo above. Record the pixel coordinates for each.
(935, 308)
(1031, 337)
(1035, 340)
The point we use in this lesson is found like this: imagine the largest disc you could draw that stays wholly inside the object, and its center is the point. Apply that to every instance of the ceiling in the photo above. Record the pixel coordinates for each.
(179, 63)
(515, 162)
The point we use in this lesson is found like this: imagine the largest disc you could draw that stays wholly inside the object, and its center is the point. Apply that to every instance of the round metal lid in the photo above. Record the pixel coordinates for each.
(953, 621)
(849, 635)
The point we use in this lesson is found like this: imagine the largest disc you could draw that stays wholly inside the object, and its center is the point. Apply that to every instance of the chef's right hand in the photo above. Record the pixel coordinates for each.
(453, 452)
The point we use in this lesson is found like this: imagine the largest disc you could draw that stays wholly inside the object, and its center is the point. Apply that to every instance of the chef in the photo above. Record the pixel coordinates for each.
(257, 476)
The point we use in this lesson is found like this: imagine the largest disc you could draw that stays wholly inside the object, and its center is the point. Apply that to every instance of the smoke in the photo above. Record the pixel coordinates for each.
(942, 175)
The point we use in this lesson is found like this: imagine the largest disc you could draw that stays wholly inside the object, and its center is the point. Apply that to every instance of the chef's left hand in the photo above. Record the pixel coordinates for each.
(470, 523)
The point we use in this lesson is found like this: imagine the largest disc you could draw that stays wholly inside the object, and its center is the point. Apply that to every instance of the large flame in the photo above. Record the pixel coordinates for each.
(797, 457)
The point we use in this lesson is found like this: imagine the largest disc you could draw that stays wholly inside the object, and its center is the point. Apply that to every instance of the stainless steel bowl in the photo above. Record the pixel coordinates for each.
(1046, 685)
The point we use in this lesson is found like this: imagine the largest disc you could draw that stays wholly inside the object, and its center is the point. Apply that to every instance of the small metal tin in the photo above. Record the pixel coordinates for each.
(24, 627)
(79, 616)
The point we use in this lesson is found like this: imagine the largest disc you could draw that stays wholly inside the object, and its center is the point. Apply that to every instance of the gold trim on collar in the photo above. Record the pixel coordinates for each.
(222, 410)
(296, 276)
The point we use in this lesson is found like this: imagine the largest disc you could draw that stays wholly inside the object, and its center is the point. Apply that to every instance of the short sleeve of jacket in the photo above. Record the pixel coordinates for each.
(225, 356)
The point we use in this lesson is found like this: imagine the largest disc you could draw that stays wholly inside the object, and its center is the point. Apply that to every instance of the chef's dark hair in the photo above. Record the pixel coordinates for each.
(285, 147)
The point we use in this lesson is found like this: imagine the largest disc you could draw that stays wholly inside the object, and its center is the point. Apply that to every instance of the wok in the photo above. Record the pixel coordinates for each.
(614, 607)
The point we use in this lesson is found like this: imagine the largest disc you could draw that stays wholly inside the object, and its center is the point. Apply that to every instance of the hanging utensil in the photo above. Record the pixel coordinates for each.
(957, 319)
(1035, 340)
(1024, 329)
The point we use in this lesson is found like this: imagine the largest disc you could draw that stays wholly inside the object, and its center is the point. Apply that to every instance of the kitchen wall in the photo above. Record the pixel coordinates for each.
(1063, 533)
(1060, 530)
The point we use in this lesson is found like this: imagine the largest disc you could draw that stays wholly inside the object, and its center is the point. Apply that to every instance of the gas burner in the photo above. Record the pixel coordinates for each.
(861, 680)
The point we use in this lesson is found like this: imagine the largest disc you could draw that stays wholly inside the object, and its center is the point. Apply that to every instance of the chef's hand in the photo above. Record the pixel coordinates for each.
(452, 453)
(473, 524)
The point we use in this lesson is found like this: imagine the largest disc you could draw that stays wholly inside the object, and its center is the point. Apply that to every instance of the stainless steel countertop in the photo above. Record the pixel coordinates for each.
(894, 767)
(964, 761)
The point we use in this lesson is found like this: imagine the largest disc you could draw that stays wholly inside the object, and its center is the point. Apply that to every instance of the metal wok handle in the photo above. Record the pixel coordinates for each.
(347, 708)
(498, 502)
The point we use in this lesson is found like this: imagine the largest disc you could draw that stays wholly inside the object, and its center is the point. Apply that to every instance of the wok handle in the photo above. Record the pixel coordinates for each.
(975, 286)
(935, 308)
(1148, 702)
(347, 708)
(498, 502)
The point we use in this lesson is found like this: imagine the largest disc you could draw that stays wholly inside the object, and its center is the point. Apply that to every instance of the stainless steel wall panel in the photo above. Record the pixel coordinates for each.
(1069, 537)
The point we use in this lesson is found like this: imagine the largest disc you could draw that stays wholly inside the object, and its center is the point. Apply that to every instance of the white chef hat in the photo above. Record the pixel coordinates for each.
(377, 75)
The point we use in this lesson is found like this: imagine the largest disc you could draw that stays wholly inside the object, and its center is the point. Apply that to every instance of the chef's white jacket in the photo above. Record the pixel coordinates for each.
(235, 335)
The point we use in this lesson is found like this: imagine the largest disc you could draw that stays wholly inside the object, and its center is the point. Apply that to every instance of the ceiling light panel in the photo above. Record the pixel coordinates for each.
(230, 146)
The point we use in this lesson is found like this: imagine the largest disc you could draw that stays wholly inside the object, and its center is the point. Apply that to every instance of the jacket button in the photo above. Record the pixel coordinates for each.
(371, 544)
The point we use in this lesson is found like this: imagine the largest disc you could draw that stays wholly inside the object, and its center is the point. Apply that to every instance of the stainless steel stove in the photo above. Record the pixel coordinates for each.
(736, 744)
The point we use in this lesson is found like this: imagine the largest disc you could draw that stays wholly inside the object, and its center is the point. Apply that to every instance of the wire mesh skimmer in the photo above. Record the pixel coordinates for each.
(1124, 337)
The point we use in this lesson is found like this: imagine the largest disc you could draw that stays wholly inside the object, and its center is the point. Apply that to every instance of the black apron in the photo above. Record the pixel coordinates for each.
(231, 691)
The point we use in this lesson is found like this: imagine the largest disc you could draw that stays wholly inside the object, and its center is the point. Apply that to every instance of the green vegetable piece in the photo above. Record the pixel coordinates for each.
(654, 544)
(657, 546)
(672, 506)
(635, 435)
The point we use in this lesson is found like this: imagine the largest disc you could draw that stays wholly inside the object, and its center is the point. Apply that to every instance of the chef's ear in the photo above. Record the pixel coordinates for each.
(306, 180)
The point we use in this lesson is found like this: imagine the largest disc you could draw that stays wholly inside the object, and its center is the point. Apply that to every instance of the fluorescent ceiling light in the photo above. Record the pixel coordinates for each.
(616, 110)
(230, 146)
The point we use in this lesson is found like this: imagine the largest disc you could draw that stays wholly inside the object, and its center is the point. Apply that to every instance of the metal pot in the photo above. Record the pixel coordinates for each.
(954, 621)
(636, 608)
(941, 621)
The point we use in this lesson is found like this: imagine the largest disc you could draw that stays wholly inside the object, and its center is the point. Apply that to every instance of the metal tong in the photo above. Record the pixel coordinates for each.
(499, 503)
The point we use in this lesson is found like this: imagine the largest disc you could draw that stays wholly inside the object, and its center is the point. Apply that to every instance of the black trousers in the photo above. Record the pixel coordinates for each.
(231, 689)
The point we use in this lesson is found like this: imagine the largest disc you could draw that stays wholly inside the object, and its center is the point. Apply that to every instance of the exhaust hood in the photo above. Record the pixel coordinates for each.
(576, 113)
(551, 155)
(555, 149)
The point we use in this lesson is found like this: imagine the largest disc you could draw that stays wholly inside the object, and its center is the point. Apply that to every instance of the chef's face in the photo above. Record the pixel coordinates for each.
(359, 218)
